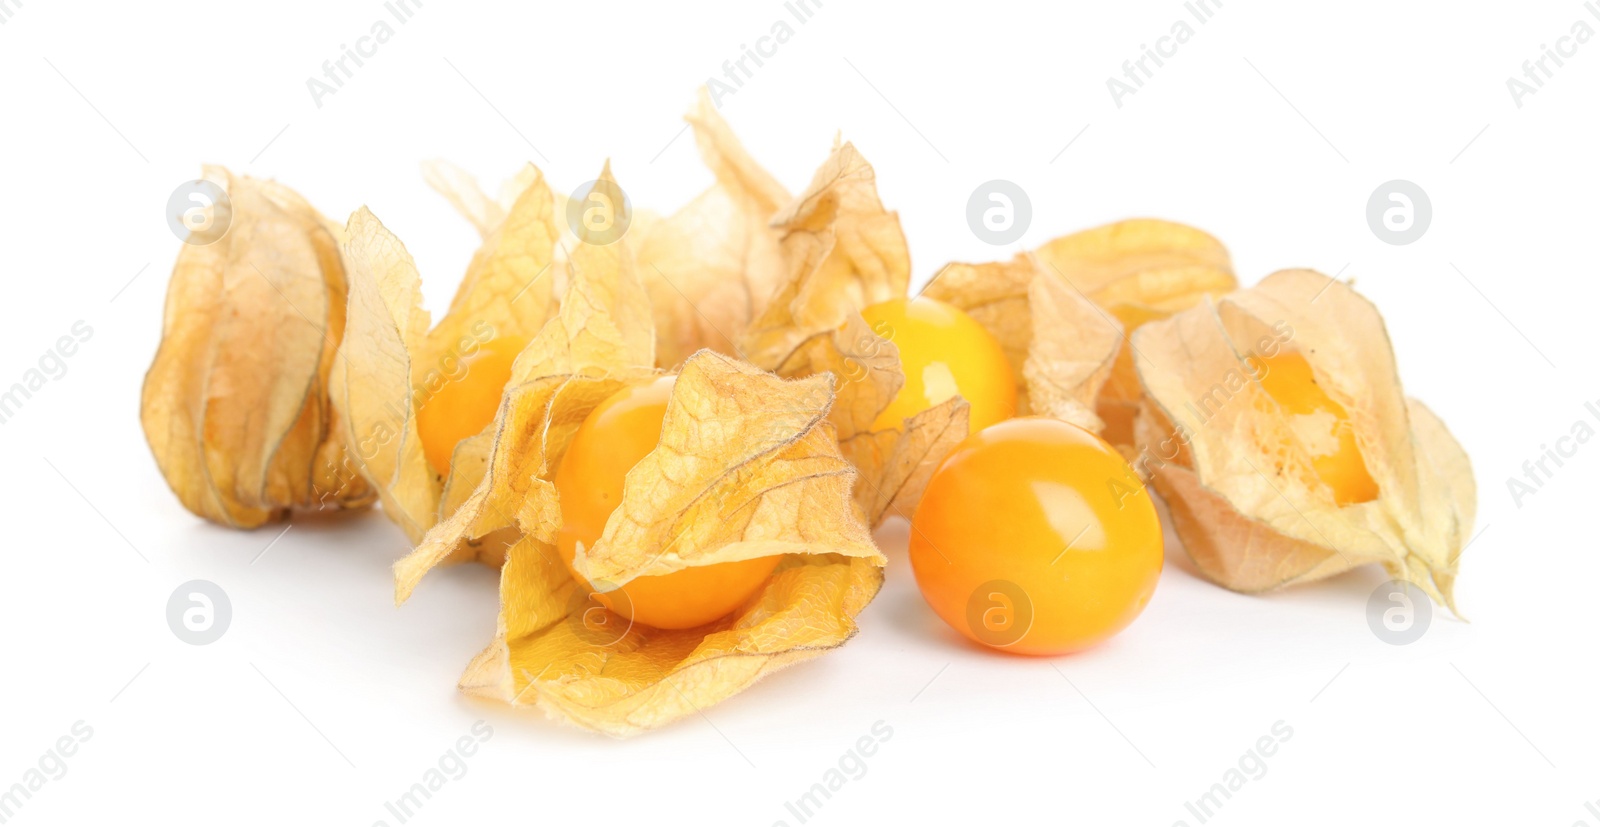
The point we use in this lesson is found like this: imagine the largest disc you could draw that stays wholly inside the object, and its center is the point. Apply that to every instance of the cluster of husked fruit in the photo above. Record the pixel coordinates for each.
(675, 434)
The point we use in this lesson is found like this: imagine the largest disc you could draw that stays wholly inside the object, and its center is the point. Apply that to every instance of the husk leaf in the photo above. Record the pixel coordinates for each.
(748, 466)
(711, 266)
(1136, 271)
(235, 405)
(1244, 497)
(392, 362)
(1060, 345)
(599, 342)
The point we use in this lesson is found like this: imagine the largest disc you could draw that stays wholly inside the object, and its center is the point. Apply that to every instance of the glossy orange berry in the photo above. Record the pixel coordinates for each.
(1023, 543)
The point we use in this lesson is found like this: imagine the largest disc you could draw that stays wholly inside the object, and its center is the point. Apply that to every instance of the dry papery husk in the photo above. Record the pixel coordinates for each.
(235, 406)
(1061, 347)
(1244, 497)
(711, 266)
(749, 271)
(703, 269)
(1133, 271)
(391, 361)
(747, 466)
(844, 251)
(600, 341)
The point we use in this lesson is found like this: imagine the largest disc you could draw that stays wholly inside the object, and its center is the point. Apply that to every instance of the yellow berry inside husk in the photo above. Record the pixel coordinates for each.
(612, 439)
(943, 353)
(1335, 456)
(463, 405)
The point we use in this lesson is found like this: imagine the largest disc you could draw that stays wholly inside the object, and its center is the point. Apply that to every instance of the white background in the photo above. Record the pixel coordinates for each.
(1270, 129)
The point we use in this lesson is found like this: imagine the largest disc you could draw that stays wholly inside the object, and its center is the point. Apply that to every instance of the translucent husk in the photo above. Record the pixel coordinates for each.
(1135, 271)
(1061, 347)
(1244, 496)
(391, 361)
(235, 406)
(711, 266)
(748, 465)
(843, 252)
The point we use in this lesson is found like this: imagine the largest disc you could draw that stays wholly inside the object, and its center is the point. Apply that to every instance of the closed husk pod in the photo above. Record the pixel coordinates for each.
(235, 406)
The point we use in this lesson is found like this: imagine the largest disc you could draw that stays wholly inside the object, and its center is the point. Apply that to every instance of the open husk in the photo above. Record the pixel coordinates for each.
(391, 362)
(711, 266)
(844, 251)
(235, 406)
(748, 465)
(1135, 271)
(1244, 497)
(600, 341)
(1061, 347)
